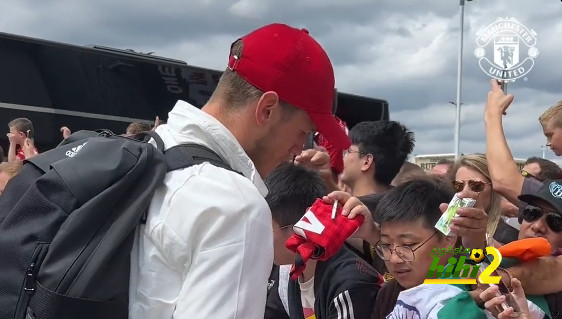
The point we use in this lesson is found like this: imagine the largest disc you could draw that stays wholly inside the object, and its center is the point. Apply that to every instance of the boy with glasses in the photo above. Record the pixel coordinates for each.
(407, 215)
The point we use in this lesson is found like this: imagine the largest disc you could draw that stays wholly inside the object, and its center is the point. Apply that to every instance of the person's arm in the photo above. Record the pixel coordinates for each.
(506, 177)
(539, 277)
(355, 303)
(227, 278)
(12, 153)
(508, 209)
(320, 162)
(29, 149)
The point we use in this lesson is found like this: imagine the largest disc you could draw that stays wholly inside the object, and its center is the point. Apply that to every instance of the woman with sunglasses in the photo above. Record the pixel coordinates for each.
(471, 178)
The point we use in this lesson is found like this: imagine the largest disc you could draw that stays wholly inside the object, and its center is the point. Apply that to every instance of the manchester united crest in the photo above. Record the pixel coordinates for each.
(506, 49)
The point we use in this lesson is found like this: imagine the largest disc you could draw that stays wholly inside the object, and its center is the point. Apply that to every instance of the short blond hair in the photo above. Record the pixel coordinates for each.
(234, 90)
(552, 112)
(11, 168)
(138, 127)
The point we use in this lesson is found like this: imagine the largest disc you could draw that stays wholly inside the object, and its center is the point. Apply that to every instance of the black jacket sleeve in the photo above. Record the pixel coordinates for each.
(355, 303)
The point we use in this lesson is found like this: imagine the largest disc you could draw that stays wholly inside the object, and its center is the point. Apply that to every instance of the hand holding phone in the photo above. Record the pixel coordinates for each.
(495, 302)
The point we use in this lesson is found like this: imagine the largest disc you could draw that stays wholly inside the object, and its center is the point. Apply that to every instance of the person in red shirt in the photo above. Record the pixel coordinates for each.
(21, 140)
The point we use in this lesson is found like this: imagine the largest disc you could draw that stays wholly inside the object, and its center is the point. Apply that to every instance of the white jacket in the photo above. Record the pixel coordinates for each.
(207, 248)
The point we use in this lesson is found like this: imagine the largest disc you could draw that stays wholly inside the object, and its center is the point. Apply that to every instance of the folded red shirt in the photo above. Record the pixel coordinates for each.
(317, 236)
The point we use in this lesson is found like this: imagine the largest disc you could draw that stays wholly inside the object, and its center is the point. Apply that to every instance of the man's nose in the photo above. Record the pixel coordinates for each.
(539, 226)
(467, 192)
(394, 258)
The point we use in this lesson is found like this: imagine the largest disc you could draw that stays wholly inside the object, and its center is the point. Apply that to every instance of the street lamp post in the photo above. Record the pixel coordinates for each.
(459, 83)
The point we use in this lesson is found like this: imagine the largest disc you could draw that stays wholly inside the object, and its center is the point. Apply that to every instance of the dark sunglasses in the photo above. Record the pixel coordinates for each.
(474, 185)
(533, 213)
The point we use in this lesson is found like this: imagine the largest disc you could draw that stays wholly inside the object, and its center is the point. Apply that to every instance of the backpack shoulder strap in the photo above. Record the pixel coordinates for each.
(186, 155)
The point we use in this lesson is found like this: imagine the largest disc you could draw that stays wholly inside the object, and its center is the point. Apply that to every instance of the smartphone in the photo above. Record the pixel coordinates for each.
(503, 82)
(309, 144)
(29, 134)
(503, 290)
(504, 87)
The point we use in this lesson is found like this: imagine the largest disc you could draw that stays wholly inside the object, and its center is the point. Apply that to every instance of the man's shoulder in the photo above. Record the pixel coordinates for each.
(205, 191)
(208, 180)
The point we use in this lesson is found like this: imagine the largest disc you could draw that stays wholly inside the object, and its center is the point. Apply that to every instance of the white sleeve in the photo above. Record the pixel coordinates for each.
(225, 224)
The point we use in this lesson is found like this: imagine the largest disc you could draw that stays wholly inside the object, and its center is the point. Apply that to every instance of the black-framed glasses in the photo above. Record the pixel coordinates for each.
(282, 227)
(474, 185)
(553, 220)
(405, 253)
(349, 151)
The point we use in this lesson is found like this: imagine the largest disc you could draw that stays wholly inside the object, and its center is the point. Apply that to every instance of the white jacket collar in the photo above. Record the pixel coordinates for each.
(188, 124)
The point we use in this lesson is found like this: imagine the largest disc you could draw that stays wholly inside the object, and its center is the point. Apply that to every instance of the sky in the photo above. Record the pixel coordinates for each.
(403, 51)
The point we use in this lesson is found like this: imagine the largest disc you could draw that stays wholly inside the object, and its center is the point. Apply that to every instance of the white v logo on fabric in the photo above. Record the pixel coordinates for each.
(312, 225)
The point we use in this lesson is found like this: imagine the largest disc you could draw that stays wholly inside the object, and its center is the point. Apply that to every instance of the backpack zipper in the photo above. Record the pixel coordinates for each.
(29, 282)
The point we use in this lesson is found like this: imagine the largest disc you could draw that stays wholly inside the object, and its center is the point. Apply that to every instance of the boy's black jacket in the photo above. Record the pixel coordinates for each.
(344, 284)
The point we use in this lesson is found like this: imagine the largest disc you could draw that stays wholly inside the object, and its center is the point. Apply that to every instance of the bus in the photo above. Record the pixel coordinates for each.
(92, 87)
(428, 161)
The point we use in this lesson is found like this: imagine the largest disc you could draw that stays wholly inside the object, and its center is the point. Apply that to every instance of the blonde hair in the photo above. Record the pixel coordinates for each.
(232, 88)
(552, 112)
(478, 163)
(138, 127)
(11, 169)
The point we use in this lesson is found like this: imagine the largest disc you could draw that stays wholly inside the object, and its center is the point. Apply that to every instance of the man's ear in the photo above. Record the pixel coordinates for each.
(368, 161)
(266, 107)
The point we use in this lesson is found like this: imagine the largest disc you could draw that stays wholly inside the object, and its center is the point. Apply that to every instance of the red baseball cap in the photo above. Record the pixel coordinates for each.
(291, 63)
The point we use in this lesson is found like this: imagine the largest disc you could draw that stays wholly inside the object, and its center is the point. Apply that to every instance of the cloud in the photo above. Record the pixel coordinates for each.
(401, 51)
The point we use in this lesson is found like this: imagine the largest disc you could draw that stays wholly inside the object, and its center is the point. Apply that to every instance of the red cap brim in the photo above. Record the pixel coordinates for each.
(331, 129)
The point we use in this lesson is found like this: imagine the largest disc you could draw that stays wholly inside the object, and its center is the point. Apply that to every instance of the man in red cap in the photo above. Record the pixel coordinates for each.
(206, 249)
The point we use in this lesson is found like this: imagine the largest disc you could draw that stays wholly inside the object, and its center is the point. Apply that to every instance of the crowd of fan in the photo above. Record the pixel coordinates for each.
(22, 145)
(207, 245)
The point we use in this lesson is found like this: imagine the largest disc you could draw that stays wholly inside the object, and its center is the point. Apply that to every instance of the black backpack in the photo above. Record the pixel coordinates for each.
(67, 223)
